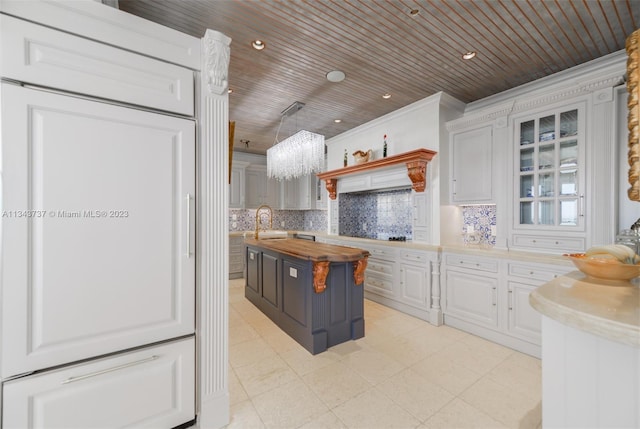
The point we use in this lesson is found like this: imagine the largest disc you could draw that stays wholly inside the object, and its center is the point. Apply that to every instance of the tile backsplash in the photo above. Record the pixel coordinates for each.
(294, 220)
(481, 218)
(377, 215)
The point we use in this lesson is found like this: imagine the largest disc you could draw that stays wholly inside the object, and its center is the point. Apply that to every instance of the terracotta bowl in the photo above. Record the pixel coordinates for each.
(601, 268)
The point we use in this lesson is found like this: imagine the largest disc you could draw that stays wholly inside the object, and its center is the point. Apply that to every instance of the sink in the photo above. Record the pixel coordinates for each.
(267, 235)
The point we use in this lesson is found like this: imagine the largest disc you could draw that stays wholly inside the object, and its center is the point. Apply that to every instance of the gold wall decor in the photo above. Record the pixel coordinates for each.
(633, 87)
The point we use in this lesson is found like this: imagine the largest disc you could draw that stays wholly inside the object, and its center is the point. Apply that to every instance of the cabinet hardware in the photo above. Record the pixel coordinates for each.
(108, 370)
(510, 300)
(454, 186)
(188, 198)
(493, 296)
(582, 205)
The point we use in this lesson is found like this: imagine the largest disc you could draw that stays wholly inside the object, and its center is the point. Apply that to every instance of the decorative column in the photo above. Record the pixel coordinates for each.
(213, 235)
(435, 312)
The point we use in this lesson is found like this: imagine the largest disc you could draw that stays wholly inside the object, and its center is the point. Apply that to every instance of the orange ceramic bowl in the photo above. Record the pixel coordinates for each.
(601, 268)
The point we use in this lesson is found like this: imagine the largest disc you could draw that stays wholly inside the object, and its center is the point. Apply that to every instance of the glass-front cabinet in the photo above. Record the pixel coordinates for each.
(549, 178)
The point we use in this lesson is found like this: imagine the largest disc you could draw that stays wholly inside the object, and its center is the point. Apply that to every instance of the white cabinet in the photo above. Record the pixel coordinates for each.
(549, 189)
(259, 189)
(471, 166)
(105, 259)
(150, 388)
(415, 278)
(421, 216)
(237, 185)
(320, 193)
(236, 256)
(296, 193)
(471, 290)
(523, 278)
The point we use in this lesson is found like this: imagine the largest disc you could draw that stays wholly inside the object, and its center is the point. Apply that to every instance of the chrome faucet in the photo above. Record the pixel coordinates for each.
(258, 221)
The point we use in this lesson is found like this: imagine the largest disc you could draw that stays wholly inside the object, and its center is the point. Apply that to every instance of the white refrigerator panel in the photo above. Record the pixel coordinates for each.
(97, 228)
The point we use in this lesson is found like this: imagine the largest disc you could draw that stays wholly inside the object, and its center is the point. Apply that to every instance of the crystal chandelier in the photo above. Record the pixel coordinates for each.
(298, 155)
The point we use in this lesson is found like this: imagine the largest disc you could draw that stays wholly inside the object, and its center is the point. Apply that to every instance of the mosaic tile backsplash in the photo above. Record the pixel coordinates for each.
(377, 215)
(481, 217)
(294, 220)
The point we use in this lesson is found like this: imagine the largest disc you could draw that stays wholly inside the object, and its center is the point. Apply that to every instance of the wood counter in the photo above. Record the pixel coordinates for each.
(312, 291)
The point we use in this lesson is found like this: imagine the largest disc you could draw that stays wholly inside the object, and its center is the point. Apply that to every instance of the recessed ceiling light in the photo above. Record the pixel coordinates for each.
(414, 12)
(337, 121)
(335, 76)
(386, 96)
(468, 55)
(229, 91)
(258, 45)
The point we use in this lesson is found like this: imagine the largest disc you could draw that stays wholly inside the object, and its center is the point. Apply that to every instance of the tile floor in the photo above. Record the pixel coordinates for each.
(405, 373)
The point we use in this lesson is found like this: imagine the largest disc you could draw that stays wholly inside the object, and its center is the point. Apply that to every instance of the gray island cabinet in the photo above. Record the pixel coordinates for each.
(312, 291)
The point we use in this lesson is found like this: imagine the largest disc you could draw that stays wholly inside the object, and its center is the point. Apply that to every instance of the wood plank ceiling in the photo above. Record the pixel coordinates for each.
(385, 49)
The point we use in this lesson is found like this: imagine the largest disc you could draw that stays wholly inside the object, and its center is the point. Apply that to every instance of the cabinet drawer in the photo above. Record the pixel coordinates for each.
(560, 244)
(464, 261)
(413, 256)
(149, 388)
(383, 253)
(536, 272)
(380, 267)
(379, 284)
(43, 56)
(236, 267)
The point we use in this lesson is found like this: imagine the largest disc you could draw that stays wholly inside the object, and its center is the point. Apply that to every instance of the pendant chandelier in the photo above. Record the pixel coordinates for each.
(298, 155)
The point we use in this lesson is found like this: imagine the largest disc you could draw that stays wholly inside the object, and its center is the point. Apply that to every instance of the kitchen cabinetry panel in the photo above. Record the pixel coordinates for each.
(236, 256)
(237, 185)
(413, 285)
(472, 297)
(259, 189)
(104, 180)
(149, 388)
(471, 154)
(524, 322)
(43, 56)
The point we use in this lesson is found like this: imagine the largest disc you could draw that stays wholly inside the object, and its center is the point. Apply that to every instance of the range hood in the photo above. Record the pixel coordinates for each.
(414, 163)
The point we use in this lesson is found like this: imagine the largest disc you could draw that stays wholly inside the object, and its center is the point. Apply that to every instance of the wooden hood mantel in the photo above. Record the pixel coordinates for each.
(416, 161)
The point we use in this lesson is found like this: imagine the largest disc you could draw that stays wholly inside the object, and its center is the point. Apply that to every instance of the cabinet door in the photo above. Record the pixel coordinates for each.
(524, 321)
(236, 188)
(304, 193)
(472, 297)
(471, 153)
(149, 388)
(103, 258)
(290, 194)
(414, 286)
(255, 188)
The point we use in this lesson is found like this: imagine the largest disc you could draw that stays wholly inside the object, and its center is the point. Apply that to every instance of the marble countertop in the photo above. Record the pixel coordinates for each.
(609, 309)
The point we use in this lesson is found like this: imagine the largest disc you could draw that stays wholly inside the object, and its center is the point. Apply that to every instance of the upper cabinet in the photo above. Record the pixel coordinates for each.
(259, 189)
(471, 167)
(236, 187)
(549, 185)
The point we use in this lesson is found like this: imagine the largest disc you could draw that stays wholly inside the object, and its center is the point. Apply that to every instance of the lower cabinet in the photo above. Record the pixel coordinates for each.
(151, 387)
(236, 257)
(489, 297)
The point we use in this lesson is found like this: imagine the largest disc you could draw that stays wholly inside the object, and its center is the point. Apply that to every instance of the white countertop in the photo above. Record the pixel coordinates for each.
(609, 309)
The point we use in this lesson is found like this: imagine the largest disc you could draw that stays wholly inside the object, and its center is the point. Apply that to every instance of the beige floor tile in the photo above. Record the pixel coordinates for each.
(289, 406)
(473, 357)
(441, 370)
(460, 415)
(336, 383)
(500, 402)
(264, 375)
(522, 368)
(280, 341)
(415, 394)
(409, 349)
(240, 332)
(303, 362)
(244, 416)
(248, 352)
(237, 393)
(373, 365)
(374, 410)
(326, 421)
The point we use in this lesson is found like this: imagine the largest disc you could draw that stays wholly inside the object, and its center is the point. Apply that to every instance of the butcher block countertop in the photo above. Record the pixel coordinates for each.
(310, 250)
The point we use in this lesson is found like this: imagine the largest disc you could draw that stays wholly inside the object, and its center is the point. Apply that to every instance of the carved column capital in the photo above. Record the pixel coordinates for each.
(417, 172)
(216, 61)
(320, 271)
(331, 185)
(359, 267)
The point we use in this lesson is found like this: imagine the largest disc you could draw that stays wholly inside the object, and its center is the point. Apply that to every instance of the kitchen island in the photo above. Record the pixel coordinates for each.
(312, 291)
